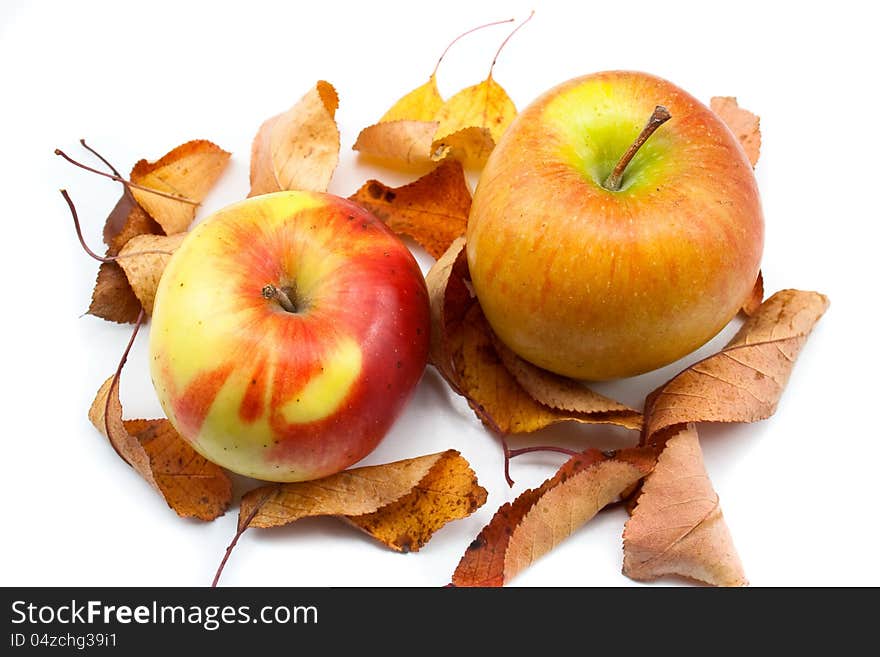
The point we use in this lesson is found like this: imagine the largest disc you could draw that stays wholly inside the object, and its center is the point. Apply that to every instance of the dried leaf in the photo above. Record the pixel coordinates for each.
(744, 381)
(677, 527)
(420, 104)
(433, 210)
(113, 299)
(143, 259)
(539, 519)
(563, 393)
(450, 299)
(193, 486)
(756, 298)
(190, 170)
(127, 220)
(472, 122)
(745, 126)
(398, 142)
(401, 504)
(299, 148)
(463, 349)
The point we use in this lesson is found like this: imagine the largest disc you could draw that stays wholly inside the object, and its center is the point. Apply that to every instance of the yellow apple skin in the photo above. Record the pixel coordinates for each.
(597, 284)
(278, 395)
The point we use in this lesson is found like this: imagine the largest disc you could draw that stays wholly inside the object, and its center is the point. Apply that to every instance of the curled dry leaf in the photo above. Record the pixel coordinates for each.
(112, 297)
(744, 381)
(463, 349)
(677, 527)
(189, 171)
(400, 504)
(471, 123)
(433, 210)
(299, 148)
(403, 141)
(191, 485)
(539, 519)
(756, 298)
(745, 126)
(143, 259)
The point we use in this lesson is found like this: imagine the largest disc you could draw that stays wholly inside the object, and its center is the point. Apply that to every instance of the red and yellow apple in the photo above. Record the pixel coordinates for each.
(289, 331)
(595, 282)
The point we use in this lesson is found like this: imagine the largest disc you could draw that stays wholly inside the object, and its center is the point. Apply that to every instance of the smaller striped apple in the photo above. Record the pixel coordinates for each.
(288, 333)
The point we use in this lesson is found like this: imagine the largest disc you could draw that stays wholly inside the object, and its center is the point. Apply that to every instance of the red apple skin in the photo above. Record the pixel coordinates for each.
(597, 284)
(286, 396)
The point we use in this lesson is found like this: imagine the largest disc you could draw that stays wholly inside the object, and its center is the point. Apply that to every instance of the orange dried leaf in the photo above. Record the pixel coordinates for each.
(191, 485)
(496, 396)
(756, 298)
(402, 142)
(745, 380)
(677, 527)
(420, 104)
(472, 122)
(143, 259)
(189, 171)
(563, 393)
(745, 126)
(400, 504)
(463, 349)
(539, 519)
(433, 210)
(113, 299)
(299, 148)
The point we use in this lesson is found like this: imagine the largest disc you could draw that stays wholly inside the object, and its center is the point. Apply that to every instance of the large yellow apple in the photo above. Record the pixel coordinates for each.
(599, 280)
(288, 332)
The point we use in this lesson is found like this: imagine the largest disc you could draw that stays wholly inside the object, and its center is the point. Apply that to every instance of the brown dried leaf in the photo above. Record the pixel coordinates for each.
(433, 210)
(193, 486)
(756, 298)
(744, 381)
(299, 148)
(539, 519)
(190, 170)
(496, 396)
(127, 220)
(677, 527)
(563, 393)
(472, 122)
(143, 259)
(745, 126)
(400, 504)
(450, 299)
(463, 349)
(113, 299)
(404, 142)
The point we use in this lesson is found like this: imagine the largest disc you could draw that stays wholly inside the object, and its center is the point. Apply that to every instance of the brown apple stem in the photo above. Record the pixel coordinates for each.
(279, 295)
(659, 116)
(127, 183)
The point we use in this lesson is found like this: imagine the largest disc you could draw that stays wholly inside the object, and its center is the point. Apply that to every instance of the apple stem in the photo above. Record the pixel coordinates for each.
(464, 34)
(127, 183)
(659, 116)
(82, 242)
(278, 294)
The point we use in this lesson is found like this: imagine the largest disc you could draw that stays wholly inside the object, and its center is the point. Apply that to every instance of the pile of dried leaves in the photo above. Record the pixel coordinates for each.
(676, 525)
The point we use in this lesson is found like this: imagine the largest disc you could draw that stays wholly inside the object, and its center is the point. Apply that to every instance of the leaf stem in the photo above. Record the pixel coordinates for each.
(242, 526)
(658, 117)
(542, 448)
(504, 43)
(464, 34)
(100, 157)
(116, 376)
(127, 183)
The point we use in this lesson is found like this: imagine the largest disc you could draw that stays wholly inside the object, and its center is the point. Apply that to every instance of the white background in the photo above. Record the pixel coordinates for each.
(136, 79)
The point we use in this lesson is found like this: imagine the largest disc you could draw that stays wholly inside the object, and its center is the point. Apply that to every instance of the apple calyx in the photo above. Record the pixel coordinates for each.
(658, 117)
(281, 296)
